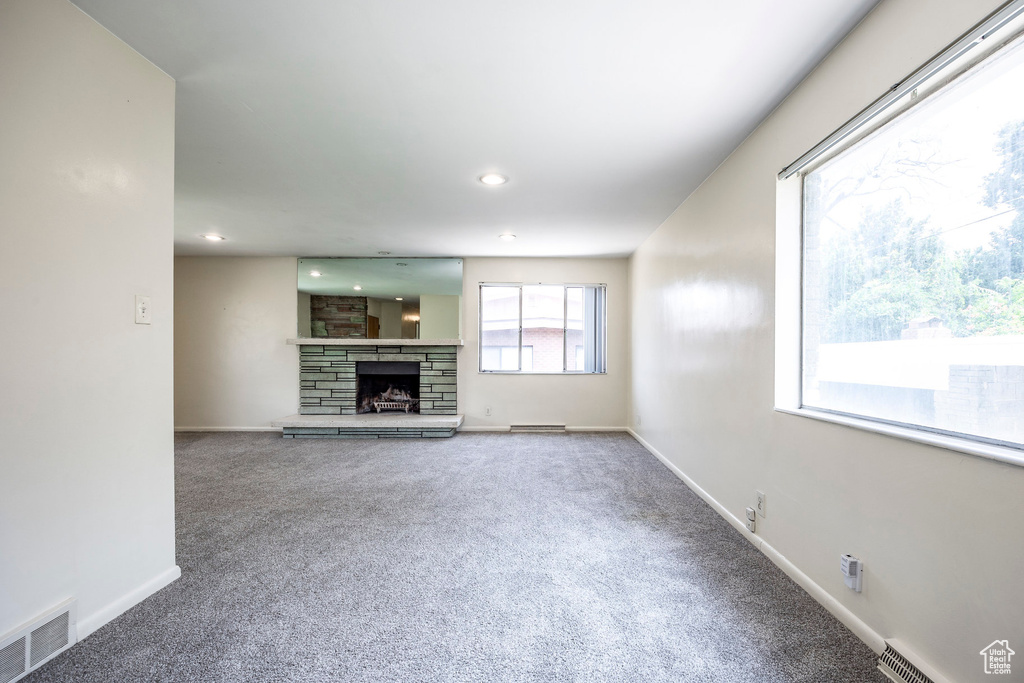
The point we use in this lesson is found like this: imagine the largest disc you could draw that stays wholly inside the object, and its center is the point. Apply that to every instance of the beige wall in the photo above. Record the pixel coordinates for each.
(232, 367)
(86, 209)
(573, 400)
(440, 316)
(234, 371)
(936, 529)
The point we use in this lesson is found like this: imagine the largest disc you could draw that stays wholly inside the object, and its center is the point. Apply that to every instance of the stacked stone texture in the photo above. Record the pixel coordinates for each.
(337, 316)
(327, 376)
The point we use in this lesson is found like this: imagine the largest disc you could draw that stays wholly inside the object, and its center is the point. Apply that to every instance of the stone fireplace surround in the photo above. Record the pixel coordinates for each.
(328, 388)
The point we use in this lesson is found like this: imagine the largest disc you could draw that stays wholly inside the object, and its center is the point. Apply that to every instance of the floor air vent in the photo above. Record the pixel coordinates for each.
(537, 428)
(12, 660)
(899, 668)
(37, 642)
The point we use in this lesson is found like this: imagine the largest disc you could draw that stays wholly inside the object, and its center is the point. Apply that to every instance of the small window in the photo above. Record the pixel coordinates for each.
(542, 328)
(913, 261)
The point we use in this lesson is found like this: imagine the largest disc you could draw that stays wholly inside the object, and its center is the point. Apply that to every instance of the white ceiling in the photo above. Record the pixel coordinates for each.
(346, 127)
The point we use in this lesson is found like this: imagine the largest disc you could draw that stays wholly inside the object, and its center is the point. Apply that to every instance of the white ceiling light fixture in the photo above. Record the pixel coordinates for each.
(384, 253)
(213, 238)
(507, 236)
(357, 288)
(315, 273)
(398, 298)
(493, 179)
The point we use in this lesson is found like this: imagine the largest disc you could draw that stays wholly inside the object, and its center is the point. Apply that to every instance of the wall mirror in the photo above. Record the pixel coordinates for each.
(380, 298)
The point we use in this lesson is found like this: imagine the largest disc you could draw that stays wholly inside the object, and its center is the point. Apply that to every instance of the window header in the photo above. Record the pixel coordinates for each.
(986, 37)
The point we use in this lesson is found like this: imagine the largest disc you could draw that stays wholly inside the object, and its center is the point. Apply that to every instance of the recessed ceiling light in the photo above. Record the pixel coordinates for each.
(357, 288)
(508, 237)
(402, 264)
(384, 253)
(213, 238)
(315, 273)
(398, 298)
(493, 179)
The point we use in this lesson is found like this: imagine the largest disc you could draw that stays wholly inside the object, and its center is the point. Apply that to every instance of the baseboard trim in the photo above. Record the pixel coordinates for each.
(851, 621)
(228, 429)
(505, 428)
(89, 624)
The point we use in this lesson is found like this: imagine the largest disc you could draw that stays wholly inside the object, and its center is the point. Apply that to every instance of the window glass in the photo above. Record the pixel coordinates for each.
(542, 328)
(913, 269)
(499, 328)
(574, 329)
(543, 325)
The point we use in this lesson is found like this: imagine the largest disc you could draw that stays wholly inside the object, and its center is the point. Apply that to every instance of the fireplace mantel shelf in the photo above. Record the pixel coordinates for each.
(347, 341)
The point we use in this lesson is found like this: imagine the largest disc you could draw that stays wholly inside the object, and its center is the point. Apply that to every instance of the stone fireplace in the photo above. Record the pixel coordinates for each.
(344, 382)
(337, 377)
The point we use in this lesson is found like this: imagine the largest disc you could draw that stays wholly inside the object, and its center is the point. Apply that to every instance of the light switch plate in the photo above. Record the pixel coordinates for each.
(143, 310)
(762, 503)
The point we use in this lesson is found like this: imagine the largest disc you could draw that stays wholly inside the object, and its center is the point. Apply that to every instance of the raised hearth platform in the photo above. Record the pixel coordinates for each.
(368, 426)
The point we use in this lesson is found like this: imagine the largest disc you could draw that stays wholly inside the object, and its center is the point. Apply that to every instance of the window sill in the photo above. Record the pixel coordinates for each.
(1005, 454)
(520, 372)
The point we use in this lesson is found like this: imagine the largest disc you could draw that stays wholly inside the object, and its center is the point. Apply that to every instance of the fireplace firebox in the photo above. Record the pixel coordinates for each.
(387, 386)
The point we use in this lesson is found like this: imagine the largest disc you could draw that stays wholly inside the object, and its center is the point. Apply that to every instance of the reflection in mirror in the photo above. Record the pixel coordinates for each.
(380, 298)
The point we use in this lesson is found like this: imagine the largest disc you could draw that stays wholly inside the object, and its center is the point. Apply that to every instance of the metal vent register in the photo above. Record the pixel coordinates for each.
(38, 641)
(12, 660)
(898, 668)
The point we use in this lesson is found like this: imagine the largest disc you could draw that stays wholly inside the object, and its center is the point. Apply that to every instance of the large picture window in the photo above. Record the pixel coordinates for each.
(913, 260)
(542, 328)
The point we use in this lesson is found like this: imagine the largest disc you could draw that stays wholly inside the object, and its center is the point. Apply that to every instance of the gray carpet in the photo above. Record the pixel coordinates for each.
(486, 557)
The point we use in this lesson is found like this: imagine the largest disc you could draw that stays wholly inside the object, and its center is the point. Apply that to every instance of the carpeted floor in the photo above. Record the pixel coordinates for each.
(485, 557)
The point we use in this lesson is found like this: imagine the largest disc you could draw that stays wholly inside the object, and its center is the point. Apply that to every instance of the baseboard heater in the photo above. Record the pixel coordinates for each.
(537, 428)
(29, 647)
(903, 666)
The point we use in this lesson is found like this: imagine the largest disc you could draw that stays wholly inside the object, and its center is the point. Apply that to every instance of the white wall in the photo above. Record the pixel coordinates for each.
(938, 530)
(232, 368)
(573, 400)
(391, 320)
(86, 209)
(440, 316)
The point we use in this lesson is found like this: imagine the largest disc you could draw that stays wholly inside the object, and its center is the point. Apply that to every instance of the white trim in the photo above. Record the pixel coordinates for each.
(505, 428)
(104, 615)
(851, 621)
(1011, 456)
(788, 294)
(227, 429)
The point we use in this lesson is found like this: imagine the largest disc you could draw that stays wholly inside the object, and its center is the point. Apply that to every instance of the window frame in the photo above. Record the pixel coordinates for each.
(602, 332)
(981, 42)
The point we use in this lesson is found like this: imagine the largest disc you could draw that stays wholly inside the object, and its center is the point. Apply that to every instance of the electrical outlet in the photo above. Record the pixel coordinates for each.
(143, 311)
(751, 521)
(761, 503)
(638, 419)
(487, 410)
